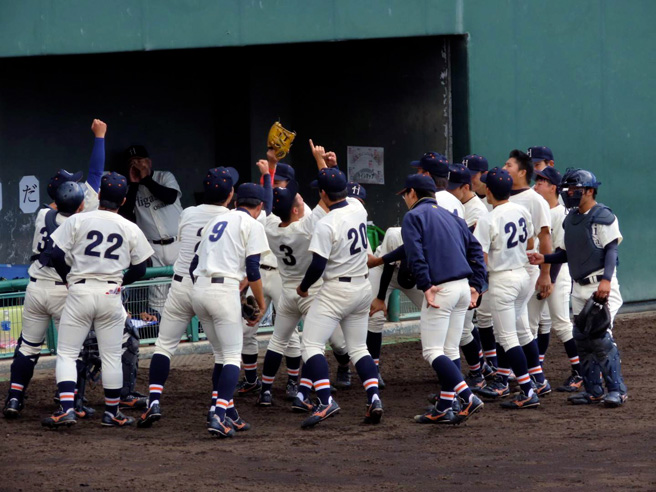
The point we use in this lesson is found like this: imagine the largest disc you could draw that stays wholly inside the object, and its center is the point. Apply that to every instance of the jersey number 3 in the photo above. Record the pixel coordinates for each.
(353, 235)
(115, 239)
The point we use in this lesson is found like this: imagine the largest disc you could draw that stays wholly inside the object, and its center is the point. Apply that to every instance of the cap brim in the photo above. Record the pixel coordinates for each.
(315, 184)
(415, 163)
(233, 174)
(454, 186)
(401, 192)
(539, 159)
(484, 178)
(280, 177)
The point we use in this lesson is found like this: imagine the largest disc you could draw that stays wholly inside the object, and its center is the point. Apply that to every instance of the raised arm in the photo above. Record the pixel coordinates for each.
(97, 161)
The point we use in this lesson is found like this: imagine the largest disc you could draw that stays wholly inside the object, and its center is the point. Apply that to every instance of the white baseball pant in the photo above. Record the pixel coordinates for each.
(441, 329)
(555, 308)
(165, 255)
(43, 300)
(508, 294)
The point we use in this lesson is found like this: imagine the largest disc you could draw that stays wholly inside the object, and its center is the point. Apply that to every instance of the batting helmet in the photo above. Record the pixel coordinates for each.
(68, 197)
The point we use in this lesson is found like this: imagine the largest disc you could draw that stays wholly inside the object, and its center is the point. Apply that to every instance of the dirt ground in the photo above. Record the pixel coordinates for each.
(554, 447)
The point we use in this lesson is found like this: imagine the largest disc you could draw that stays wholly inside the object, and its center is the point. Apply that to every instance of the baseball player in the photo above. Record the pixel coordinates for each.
(444, 258)
(46, 293)
(505, 234)
(556, 306)
(178, 309)
(98, 246)
(435, 165)
(231, 246)
(592, 236)
(520, 168)
(339, 255)
(542, 157)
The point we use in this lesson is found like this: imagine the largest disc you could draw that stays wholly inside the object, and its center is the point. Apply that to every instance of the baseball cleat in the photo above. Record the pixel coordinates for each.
(495, 389)
(220, 429)
(475, 381)
(291, 390)
(12, 409)
(573, 384)
(474, 405)
(488, 371)
(264, 399)
(133, 400)
(238, 425)
(543, 389)
(320, 412)
(60, 419)
(118, 420)
(374, 412)
(381, 382)
(245, 387)
(83, 412)
(435, 416)
(150, 416)
(433, 398)
(299, 405)
(584, 398)
(343, 377)
(615, 399)
(521, 401)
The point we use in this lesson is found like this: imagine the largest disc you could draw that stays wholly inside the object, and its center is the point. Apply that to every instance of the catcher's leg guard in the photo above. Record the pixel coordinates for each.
(591, 372)
(130, 364)
(608, 357)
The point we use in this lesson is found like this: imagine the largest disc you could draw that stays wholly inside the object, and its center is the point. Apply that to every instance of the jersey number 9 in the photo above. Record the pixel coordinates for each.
(217, 231)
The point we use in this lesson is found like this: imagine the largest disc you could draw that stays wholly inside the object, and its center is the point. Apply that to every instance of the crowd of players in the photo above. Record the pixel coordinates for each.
(476, 244)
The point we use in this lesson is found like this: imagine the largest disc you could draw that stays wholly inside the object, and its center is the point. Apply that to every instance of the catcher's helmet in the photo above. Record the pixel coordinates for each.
(579, 178)
(68, 197)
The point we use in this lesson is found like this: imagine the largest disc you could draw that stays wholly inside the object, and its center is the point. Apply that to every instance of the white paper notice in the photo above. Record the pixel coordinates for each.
(28, 194)
(366, 165)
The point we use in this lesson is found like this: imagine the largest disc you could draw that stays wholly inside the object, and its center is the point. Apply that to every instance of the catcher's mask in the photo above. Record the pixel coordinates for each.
(280, 139)
(594, 319)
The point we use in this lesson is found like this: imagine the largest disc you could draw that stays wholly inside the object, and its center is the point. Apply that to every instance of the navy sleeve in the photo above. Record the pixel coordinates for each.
(127, 210)
(161, 192)
(413, 245)
(253, 268)
(268, 195)
(96, 164)
(555, 269)
(314, 271)
(58, 261)
(192, 267)
(560, 256)
(385, 279)
(476, 260)
(610, 260)
(397, 255)
(134, 273)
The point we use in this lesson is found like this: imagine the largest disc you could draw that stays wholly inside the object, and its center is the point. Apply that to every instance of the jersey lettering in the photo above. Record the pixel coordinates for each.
(511, 228)
(289, 259)
(98, 239)
(217, 231)
(116, 241)
(41, 245)
(352, 234)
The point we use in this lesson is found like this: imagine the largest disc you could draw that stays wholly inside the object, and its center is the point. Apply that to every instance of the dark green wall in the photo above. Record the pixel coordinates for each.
(576, 76)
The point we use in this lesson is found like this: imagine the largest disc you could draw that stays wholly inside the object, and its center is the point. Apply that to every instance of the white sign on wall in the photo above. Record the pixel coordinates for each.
(366, 165)
(28, 194)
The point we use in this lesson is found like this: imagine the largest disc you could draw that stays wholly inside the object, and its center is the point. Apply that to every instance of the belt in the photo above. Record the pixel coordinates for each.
(84, 281)
(348, 279)
(590, 280)
(178, 278)
(218, 280)
(163, 242)
(267, 267)
(32, 279)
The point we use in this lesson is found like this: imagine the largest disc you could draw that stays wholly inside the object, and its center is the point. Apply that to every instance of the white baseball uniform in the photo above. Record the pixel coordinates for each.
(98, 246)
(449, 202)
(503, 234)
(225, 244)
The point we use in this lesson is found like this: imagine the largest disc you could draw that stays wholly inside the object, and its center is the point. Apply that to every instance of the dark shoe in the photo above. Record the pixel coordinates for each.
(521, 401)
(475, 381)
(60, 419)
(238, 425)
(456, 406)
(343, 378)
(584, 398)
(84, 412)
(12, 409)
(245, 387)
(291, 390)
(299, 405)
(374, 412)
(473, 405)
(320, 413)
(150, 416)
(381, 382)
(220, 429)
(615, 399)
(433, 398)
(573, 384)
(488, 371)
(495, 389)
(543, 389)
(264, 399)
(134, 401)
(435, 416)
(118, 420)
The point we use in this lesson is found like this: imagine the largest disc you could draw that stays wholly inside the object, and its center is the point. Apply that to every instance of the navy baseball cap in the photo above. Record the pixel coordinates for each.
(331, 180)
(283, 199)
(434, 163)
(538, 154)
(284, 172)
(551, 174)
(418, 182)
(250, 190)
(458, 176)
(113, 187)
(475, 163)
(356, 190)
(62, 176)
(219, 183)
(498, 181)
(138, 151)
